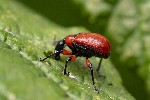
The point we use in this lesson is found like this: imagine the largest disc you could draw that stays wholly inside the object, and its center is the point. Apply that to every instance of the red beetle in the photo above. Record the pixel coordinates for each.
(85, 45)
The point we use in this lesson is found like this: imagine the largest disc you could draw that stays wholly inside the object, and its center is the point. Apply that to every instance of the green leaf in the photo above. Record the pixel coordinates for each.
(25, 36)
(21, 79)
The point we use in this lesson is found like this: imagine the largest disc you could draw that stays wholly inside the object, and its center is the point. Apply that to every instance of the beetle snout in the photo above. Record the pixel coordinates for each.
(57, 57)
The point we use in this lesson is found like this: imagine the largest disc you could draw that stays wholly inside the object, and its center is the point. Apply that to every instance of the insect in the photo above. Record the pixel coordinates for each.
(83, 45)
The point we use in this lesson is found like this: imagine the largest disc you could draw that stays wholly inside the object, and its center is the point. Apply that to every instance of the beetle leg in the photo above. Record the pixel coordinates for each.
(66, 52)
(88, 63)
(46, 57)
(71, 58)
(98, 68)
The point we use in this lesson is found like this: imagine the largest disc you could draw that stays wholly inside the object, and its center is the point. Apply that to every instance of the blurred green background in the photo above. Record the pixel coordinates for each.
(125, 30)
(126, 24)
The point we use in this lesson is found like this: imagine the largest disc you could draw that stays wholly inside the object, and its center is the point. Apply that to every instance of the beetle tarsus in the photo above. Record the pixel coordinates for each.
(99, 75)
(67, 73)
(95, 89)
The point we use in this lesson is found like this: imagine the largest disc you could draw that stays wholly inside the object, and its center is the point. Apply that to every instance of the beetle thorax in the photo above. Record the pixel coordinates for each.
(69, 40)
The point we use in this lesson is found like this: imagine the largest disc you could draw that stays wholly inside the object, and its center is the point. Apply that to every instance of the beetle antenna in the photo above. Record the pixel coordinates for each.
(46, 57)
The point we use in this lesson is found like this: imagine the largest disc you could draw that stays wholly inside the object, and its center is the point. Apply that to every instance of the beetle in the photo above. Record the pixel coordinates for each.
(83, 45)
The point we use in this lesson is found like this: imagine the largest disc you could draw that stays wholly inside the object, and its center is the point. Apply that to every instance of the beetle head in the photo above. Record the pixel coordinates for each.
(58, 49)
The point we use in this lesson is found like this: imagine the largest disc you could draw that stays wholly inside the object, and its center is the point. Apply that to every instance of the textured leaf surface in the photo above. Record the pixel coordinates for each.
(26, 36)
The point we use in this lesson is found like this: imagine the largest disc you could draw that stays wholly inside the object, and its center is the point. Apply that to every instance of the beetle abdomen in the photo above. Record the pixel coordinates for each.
(93, 43)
